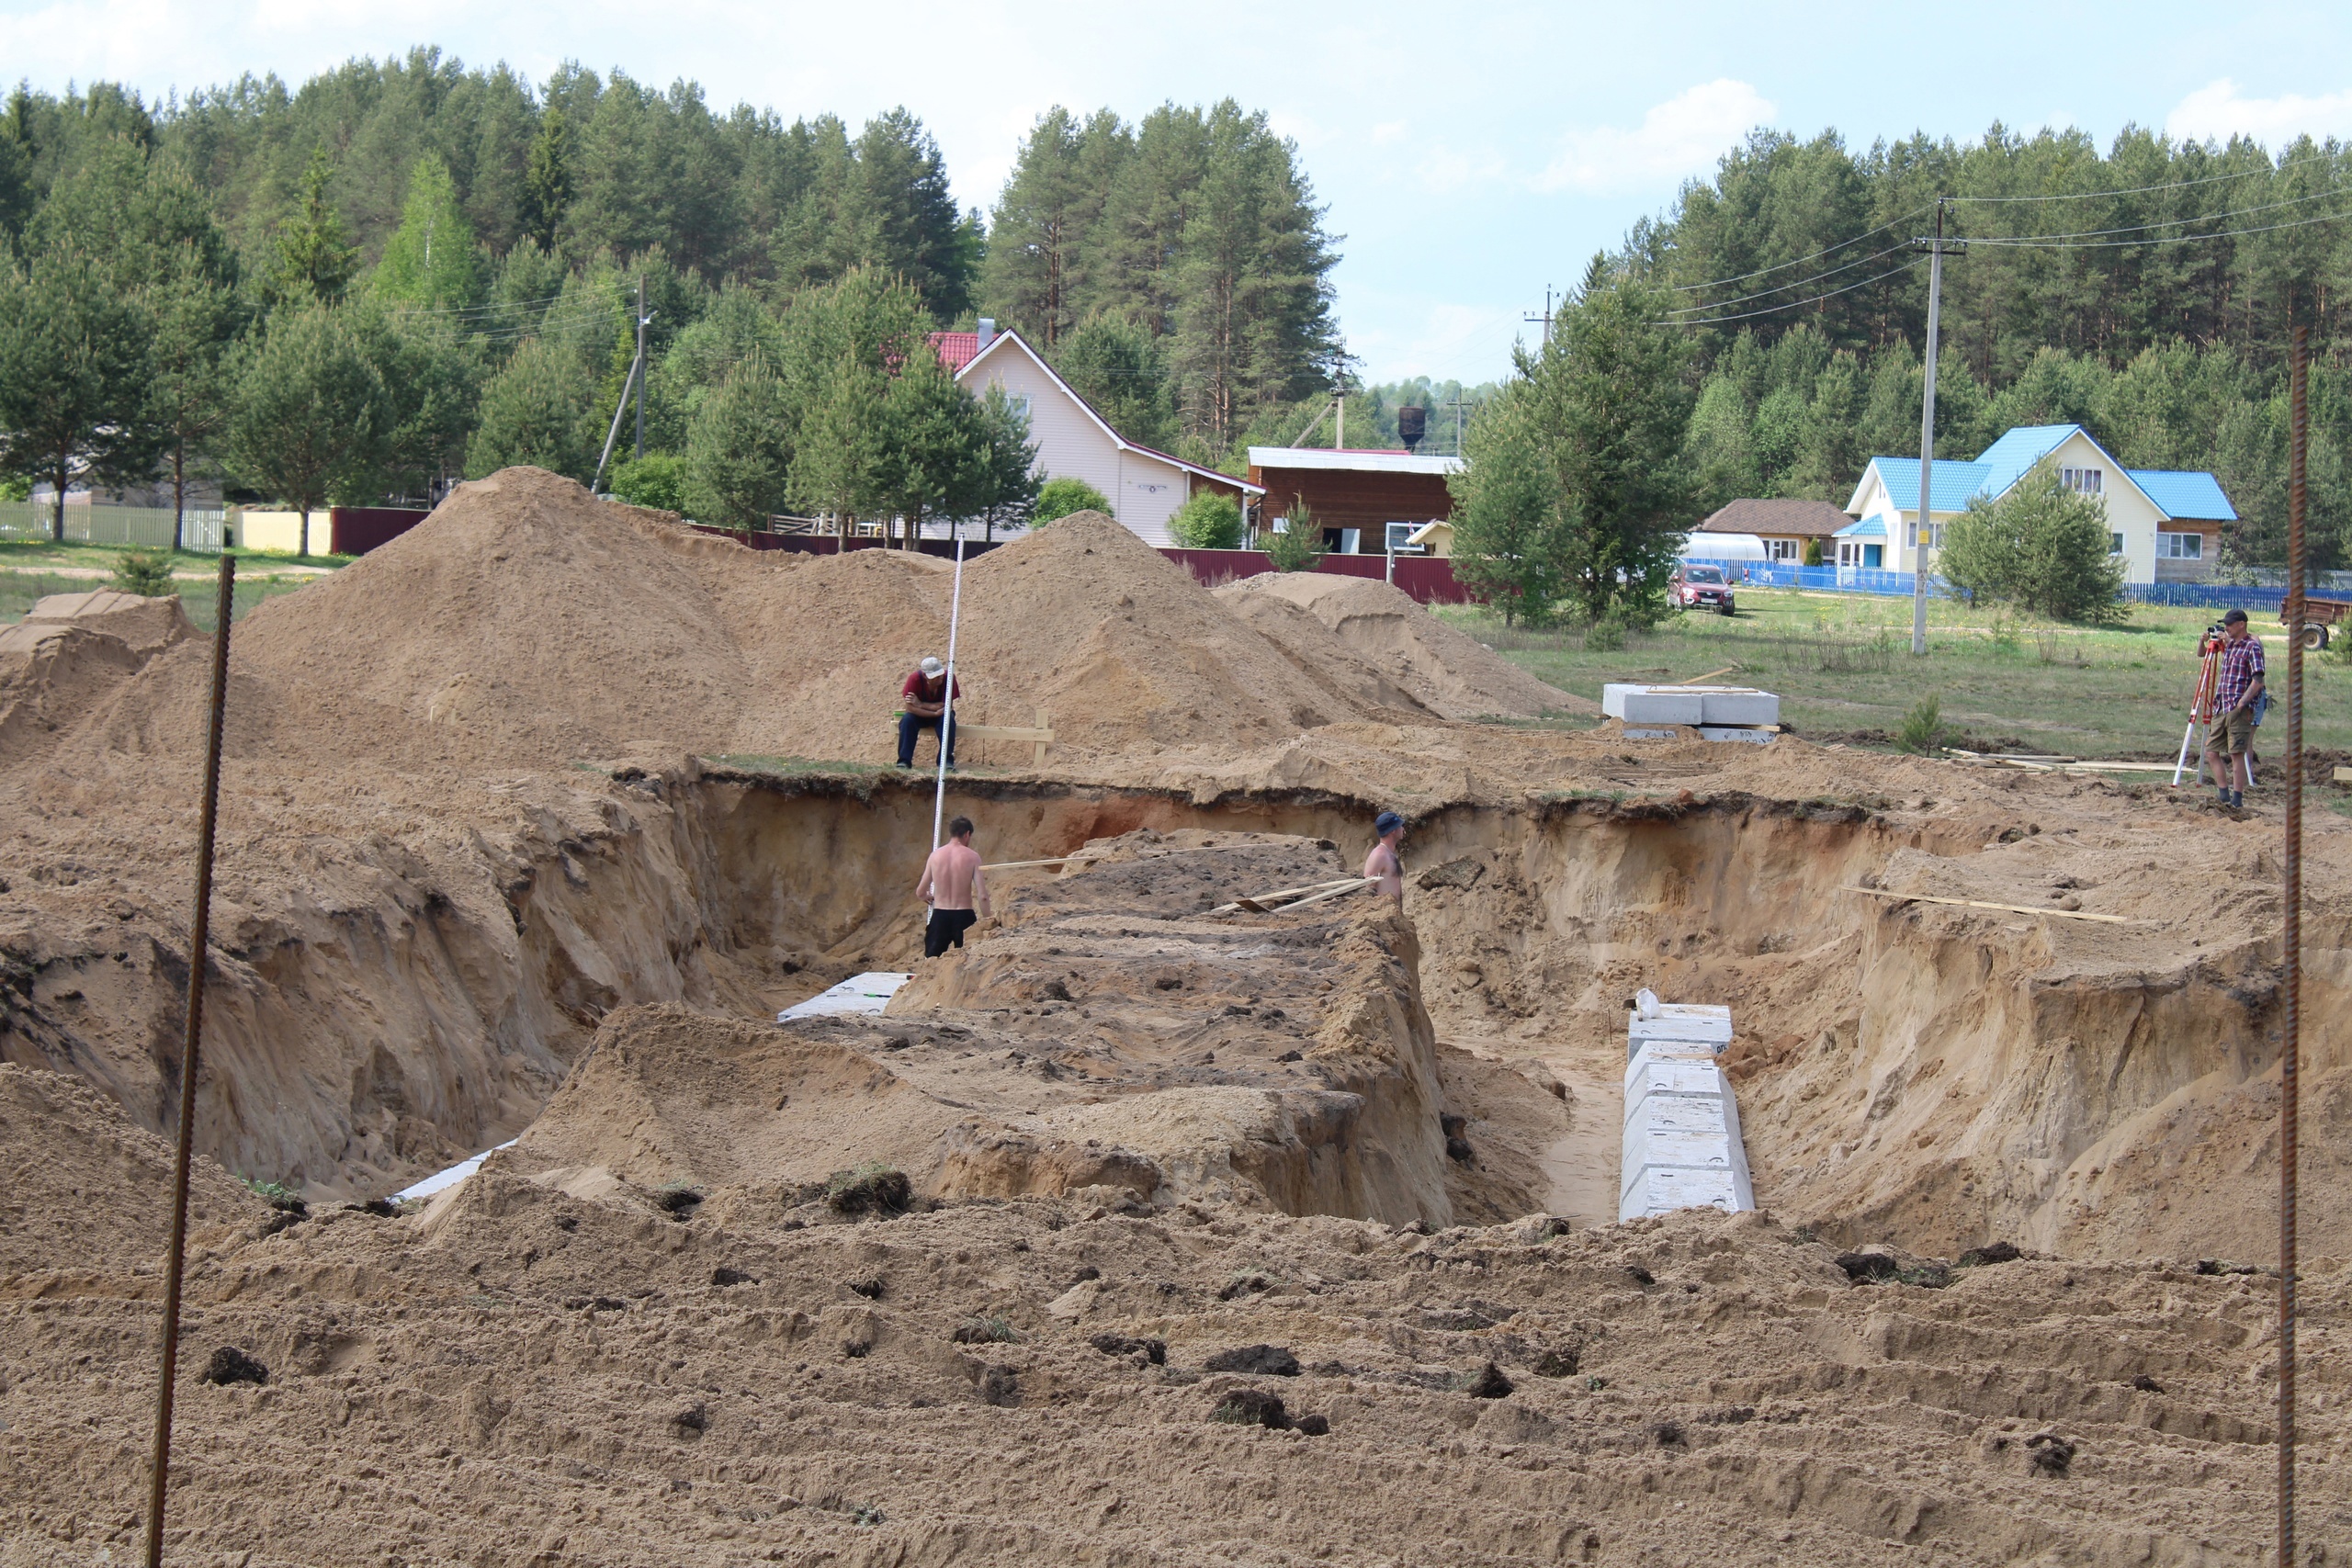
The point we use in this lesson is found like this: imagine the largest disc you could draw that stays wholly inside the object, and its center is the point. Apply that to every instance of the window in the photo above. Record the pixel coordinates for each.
(1400, 539)
(2083, 482)
(2180, 547)
(1781, 549)
(2115, 544)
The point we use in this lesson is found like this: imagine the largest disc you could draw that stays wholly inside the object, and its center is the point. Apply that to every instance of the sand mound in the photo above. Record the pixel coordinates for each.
(81, 1188)
(1449, 673)
(70, 653)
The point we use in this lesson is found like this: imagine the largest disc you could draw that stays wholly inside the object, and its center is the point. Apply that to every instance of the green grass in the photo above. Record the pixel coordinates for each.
(20, 590)
(1843, 667)
(22, 555)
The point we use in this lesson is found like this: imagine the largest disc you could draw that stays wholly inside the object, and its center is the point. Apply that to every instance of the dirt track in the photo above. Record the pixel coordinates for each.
(488, 880)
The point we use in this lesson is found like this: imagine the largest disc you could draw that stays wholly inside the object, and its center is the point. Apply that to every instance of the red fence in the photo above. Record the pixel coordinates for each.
(1429, 579)
(829, 544)
(356, 530)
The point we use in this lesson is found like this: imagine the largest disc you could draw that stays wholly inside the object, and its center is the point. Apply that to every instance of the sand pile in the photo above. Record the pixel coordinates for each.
(733, 1376)
(1449, 673)
(69, 653)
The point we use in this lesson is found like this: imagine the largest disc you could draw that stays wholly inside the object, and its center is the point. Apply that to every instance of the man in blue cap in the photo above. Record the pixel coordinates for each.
(1386, 872)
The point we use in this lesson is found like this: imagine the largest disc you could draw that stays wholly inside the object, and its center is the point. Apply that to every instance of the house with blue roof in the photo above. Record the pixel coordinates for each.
(2166, 524)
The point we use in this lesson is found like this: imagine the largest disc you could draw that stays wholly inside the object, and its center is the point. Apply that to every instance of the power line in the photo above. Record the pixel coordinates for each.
(2266, 169)
(2024, 244)
(2176, 222)
(1793, 304)
(1893, 222)
(1799, 283)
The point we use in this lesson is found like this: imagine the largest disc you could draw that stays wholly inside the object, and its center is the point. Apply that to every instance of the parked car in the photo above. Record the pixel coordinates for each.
(1703, 587)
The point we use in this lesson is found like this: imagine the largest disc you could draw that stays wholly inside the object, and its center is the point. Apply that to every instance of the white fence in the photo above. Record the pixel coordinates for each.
(149, 527)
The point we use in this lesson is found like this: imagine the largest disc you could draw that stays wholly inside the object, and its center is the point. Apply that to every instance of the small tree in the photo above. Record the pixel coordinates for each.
(1008, 485)
(2041, 547)
(1506, 506)
(1812, 552)
(658, 479)
(1061, 495)
(1294, 548)
(739, 455)
(196, 321)
(314, 262)
(311, 422)
(430, 261)
(1209, 521)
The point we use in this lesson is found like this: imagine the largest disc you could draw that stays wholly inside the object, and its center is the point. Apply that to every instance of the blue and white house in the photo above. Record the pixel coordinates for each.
(2165, 524)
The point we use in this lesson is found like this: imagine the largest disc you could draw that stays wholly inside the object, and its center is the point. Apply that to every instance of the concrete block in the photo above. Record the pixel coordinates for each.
(869, 992)
(1652, 705)
(1738, 705)
(1753, 736)
(1709, 1025)
(1680, 1145)
(1632, 734)
(1661, 1191)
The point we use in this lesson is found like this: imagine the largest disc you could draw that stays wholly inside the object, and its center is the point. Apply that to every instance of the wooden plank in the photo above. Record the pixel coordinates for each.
(1980, 904)
(1708, 676)
(1000, 732)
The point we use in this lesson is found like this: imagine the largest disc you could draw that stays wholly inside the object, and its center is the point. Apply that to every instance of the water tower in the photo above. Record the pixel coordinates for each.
(1412, 424)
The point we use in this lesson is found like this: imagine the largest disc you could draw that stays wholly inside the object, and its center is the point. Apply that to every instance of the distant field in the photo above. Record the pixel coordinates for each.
(22, 586)
(1843, 666)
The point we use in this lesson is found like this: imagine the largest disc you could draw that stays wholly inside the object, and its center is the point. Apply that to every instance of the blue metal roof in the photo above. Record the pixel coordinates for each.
(2007, 461)
(1954, 482)
(1869, 527)
(2185, 493)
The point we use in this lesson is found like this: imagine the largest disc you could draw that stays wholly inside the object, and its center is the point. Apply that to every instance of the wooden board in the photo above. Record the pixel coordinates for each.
(1980, 904)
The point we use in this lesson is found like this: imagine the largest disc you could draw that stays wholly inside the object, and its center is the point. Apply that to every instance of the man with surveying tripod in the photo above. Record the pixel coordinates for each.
(2237, 687)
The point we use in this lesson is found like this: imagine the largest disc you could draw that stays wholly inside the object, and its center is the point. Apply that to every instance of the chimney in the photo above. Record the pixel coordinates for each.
(988, 333)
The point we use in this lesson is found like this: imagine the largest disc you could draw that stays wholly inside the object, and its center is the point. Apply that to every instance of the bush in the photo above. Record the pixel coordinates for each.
(1923, 727)
(2041, 547)
(1061, 495)
(147, 573)
(1812, 552)
(1293, 550)
(658, 479)
(1210, 521)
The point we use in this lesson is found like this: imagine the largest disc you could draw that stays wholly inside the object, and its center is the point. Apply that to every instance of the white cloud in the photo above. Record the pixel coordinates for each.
(1443, 170)
(1681, 136)
(1388, 132)
(2219, 111)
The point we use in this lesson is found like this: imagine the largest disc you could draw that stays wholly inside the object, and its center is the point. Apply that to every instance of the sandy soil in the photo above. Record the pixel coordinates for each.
(502, 858)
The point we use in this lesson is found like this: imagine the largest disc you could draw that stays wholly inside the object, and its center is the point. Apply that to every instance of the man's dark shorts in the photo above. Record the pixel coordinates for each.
(946, 929)
(2231, 734)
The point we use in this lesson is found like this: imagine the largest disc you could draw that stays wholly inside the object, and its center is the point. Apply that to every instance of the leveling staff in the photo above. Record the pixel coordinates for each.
(951, 881)
(2236, 688)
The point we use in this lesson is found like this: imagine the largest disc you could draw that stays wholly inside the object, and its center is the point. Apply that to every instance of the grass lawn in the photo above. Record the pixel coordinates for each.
(23, 584)
(22, 555)
(1843, 667)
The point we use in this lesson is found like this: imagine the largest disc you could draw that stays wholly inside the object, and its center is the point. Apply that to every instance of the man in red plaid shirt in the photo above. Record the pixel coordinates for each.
(2229, 730)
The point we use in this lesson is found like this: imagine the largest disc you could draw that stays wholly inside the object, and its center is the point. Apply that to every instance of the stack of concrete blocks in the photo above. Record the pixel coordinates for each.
(1682, 1147)
(1716, 713)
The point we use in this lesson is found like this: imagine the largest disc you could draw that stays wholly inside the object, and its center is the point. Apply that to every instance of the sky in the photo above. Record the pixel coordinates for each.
(1471, 157)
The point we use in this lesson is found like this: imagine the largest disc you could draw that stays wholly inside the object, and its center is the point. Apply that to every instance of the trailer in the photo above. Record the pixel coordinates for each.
(2320, 616)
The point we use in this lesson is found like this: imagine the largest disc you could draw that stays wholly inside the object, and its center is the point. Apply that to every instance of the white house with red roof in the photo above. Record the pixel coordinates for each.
(1145, 487)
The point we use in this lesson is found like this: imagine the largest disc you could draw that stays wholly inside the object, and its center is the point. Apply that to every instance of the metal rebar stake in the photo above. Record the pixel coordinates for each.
(199, 936)
(2292, 936)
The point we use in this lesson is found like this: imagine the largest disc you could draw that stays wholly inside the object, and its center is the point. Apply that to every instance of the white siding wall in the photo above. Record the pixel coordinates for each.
(1145, 491)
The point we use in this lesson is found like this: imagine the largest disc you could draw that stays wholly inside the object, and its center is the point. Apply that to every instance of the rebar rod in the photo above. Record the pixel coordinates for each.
(2291, 938)
(199, 937)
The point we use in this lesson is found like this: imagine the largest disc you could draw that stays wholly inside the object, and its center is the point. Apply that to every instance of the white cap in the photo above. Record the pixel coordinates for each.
(931, 666)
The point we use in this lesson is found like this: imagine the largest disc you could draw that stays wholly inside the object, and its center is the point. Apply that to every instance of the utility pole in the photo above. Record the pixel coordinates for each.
(1936, 248)
(1546, 317)
(641, 319)
(1457, 419)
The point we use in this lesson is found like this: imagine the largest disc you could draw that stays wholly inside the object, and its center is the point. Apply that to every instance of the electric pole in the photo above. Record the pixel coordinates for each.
(641, 319)
(1936, 248)
(1546, 317)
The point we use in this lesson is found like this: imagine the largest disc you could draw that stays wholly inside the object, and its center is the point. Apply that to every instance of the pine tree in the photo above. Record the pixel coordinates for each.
(1117, 366)
(314, 264)
(311, 420)
(536, 412)
(1036, 246)
(1506, 508)
(547, 180)
(75, 376)
(838, 466)
(739, 449)
(1008, 483)
(196, 321)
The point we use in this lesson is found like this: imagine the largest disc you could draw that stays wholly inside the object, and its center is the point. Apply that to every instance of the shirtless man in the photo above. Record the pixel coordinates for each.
(1382, 864)
(951, 881)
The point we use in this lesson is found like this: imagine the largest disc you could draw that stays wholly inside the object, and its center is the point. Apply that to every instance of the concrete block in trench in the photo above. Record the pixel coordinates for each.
(1738, 705)
(1680, 1146)
(1651, 704)
(869, 992)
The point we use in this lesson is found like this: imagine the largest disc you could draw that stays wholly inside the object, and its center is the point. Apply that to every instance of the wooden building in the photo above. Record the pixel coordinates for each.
(1357, 499)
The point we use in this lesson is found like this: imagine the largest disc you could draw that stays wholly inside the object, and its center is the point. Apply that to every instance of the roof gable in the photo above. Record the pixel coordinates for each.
(1006, 335)
(1786, 516)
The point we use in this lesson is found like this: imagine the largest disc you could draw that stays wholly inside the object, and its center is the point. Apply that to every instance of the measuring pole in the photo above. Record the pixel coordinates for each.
(947, 713)
(192, 1034)
(2292, 936)
(1935, 248)
(641, 319)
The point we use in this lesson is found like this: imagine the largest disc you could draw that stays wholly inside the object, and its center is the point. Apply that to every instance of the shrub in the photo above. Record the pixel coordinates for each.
(658, 479)
(2041, 547)
(147, 573)
(1923, 726)
(1293, 550)
(1210, 521)
(1812, 552)
(1061, 495)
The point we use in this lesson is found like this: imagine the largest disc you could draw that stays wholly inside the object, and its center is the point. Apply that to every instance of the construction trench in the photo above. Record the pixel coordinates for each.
(1137, 1232)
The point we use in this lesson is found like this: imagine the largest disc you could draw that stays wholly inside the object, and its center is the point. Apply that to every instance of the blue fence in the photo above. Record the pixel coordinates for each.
(1863, 580)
